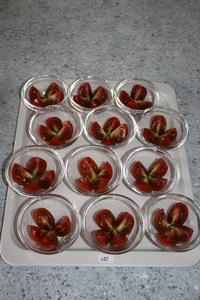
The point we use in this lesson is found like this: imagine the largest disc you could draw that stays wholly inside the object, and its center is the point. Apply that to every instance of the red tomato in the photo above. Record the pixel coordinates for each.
(158, 124)
(144, 104)
(138, 92)
(32, 187)
(45, 133)
(158, 168)
(88, 167)
(138, 171)
(124, 223)
(159, 221)
(34, 93)
(63, 226)
(66, 131)
(119, 241)
(143, 186)
(43, 218)
(150, 136)
(47, 180)
(97, 131)
(168, 137)
(100, 186)
(168, 238)
(177, 214)
(111, 124)
(100, 95)
(85, 90)
(119, 134)
(35, 232)
(184, 234)
(36, 166)
(56, 141)
(157, 184)
(102, 237)
(124, 97)
(21, 175)
(133, 104)
(54, 124)
(48, 242)
(52, 89)
(82, 184)
(105, 219)
(106, 170)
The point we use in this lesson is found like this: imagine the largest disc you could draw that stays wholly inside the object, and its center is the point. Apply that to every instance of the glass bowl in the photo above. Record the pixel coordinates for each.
(166, 173)
(152, 94)
(125, 131)
(166, 202)
(173, 120)
(59, 207)
(103, 180)
(42, 82)
(24, 174)
(116, 204)
(67, 116)
(94, 84)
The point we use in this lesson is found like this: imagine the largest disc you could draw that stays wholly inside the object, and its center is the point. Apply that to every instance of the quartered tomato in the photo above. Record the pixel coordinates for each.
(124, 97)
(143, 186)
(159, 220)
(157, 184)
(150, 136)
(124, 223)
(85, 90)
(168, 137)
(168, 238)
(138, 92)
(97, 131)
(34, 93)
(177, 214)
(47, 180)
(48, 242)
(36, 166)
(158, 124)
(63, 226)
(66, 131)
(111, 124)
(158, 168)
(54, 123)
(88, 167)
(138, 171)
(105, 219)
(100, 95)
(21, 175)
(106, 170)
(102, 237)
(184, 234)
(119, 241)
(33, 187)
(45, 133)
(35, 232)
(43, 218)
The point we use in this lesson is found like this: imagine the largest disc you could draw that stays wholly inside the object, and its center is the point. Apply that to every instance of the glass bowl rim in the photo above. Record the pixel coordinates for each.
(108, 108)
(74, 114)
(73, 84)
(11, 158)
(27, 204)
(70, 155)
(181, 198)
(159, 151)
(169, 111)
(30, 81)
(131, 203)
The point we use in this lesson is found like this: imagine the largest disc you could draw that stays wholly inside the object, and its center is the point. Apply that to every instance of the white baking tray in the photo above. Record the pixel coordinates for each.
(145, 254)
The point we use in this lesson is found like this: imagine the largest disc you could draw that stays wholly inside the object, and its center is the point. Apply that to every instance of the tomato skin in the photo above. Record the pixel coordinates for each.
(159, 221)
(158, 124)
(138, 92)
(48, 242)
(54, 123)
(63, 226)
(105, 219)
(124, 97)
(158, 168)
(21, 175)
(88, 167)
(37, 166)
(177, 214)
(100, 95)
(43, 218)
(138, 171)
(124, 223)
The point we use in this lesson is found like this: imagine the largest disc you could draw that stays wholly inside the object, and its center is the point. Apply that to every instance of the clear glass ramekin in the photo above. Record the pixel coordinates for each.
(173, 120)
(127, 85)
(64, 114)
(165, 202)
(42, 82)
(147, 156)
(94, 83)
(116, 204)
(58, 206)
(21, 157)
(100, 155)
(101, 115)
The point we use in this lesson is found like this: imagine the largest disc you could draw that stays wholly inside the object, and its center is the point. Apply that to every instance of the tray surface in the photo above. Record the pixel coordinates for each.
(145, 254)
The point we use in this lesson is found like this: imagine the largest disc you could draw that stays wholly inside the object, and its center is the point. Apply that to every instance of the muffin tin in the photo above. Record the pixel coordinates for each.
(145, 254)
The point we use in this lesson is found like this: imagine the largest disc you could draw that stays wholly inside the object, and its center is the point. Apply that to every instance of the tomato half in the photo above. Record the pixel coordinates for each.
(88, 167)
(63, 226)
(159, 220)
(177, 214)
(124, 223)
(158, 168)
(36, 166)
(105, 219)
(158, 124)
(43, 218)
